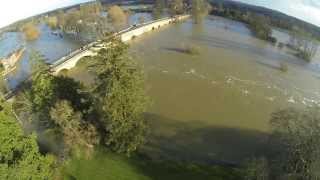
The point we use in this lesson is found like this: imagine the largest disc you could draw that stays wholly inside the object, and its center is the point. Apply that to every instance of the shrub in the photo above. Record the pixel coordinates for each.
(31, 32)
(193, 50)
(64, 72)
(272, 39)
(260, 27)
(83, 62)
(295, 136)
(141, 19)
(283, 67)
(19, 153)
(303, 43)
(1, 68)
(256, 169)
(304, 55)
(3, 86)
(52, 22)
(280, 45)
(117, 15)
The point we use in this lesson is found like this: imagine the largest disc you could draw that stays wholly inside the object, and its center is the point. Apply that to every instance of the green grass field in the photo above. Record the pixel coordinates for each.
(110, 166)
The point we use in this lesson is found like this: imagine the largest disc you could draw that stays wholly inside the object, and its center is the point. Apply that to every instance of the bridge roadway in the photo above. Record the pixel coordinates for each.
(69, 61)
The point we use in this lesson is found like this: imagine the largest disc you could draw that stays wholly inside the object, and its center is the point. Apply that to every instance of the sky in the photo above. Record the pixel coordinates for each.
(13, 10)
(307, 10)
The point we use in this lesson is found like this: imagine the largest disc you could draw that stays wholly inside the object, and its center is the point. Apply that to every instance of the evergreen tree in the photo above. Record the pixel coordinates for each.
(121, 96)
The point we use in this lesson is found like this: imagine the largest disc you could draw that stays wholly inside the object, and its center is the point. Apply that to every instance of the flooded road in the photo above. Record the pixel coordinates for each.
(215, 106)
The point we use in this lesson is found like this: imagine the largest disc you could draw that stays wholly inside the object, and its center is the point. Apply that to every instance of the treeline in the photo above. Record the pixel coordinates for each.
(258, 24)
(89, 21)
(304, 43)
(83, 22)
(197, 8)
(276, 18)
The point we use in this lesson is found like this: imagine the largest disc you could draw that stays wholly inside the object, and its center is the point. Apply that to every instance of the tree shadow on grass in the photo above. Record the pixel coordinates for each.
(107, 165)
(198, 142)
(171, 170)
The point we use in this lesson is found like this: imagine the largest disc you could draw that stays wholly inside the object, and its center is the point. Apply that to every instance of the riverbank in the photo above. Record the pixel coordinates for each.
(107, 165)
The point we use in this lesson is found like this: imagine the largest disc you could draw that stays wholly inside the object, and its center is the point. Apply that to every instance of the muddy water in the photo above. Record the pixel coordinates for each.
(215, 106)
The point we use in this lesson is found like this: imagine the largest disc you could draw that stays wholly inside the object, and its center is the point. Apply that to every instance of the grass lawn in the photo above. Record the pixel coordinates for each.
(110, 166)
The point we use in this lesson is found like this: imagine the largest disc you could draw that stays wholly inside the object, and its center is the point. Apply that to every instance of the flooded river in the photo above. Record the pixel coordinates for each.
(211, 107)
(215, 106)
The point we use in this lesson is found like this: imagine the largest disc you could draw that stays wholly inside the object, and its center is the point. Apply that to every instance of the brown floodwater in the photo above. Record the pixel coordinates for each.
(215, 106)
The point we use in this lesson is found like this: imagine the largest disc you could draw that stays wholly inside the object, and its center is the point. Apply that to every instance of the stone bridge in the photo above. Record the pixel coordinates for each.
(70, 61)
